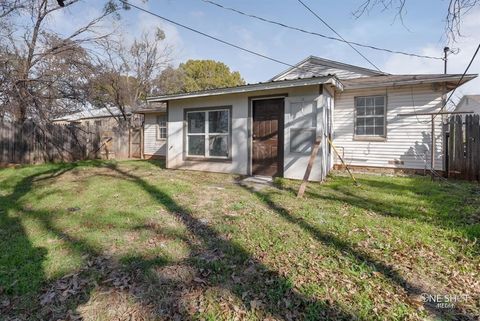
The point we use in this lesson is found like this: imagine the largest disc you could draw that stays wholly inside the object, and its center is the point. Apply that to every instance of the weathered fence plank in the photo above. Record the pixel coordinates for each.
(464, 147)
(29, 143)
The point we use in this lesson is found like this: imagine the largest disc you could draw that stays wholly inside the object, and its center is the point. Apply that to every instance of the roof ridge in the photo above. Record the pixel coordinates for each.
(327, 62)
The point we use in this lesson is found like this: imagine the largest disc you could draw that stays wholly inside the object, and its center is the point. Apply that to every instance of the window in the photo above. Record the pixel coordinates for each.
(370, 116)
(161, 127)
(208, 133)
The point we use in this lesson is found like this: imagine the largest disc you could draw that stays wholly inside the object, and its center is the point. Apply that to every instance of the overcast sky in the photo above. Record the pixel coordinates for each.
(422, 32)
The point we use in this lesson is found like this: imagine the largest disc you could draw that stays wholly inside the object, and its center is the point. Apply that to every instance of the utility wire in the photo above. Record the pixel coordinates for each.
(212, 37)
(334, 31)
(459, 81)
(319, 34)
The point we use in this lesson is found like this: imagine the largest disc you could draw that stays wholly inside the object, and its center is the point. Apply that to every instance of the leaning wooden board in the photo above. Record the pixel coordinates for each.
(313, 155)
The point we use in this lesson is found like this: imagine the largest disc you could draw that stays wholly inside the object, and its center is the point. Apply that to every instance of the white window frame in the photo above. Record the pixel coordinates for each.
(207, 135)
(384, 115)
(160, 126)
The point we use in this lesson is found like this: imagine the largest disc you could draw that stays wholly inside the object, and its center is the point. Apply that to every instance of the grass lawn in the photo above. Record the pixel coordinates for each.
(134, 241)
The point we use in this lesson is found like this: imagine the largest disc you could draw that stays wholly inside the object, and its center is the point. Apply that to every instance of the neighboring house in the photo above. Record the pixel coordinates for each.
(269, 128)
(93, 117)
(469, 103)
(155, 130)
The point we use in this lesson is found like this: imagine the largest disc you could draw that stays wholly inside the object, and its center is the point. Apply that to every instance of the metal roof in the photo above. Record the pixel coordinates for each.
(330, 63)
(385, 80)
(402, 80)
(270, 85)
(92, 113)
(161, 108)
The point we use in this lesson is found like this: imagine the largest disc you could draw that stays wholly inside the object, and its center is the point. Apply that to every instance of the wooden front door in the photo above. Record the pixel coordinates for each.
(267, 137)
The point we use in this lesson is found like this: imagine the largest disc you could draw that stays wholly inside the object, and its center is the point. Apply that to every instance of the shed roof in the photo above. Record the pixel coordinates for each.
(451, 80)
(152, 110)
(269, 85)
(92, 113)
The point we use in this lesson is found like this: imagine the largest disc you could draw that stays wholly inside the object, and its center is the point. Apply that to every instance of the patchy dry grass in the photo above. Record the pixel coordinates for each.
(131, 240)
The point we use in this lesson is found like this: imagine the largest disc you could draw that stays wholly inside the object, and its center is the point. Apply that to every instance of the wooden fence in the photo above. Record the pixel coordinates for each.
(29, 143)
(463, 147)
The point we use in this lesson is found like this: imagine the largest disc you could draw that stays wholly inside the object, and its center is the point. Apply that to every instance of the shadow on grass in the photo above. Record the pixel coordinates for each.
(342, 246)
(214, 262)
(434, 203)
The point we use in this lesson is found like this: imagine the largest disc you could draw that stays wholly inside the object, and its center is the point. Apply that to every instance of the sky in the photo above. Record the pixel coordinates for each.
(421, 32)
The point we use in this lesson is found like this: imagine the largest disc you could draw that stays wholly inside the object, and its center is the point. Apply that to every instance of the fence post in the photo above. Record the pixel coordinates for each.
(476, 147)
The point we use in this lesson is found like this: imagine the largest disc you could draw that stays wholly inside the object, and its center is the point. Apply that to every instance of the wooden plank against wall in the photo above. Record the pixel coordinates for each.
(308, 170)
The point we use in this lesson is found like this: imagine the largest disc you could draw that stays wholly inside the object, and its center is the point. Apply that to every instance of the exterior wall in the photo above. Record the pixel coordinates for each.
(106, 122)
(468, 103)
(241, 140)
(408, 140)
(152, 146)
(314, 112)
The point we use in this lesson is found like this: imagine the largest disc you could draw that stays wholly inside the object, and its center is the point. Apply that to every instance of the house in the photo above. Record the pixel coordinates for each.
(93, 117)
(155, 130)
(469, 103)
(269, 128)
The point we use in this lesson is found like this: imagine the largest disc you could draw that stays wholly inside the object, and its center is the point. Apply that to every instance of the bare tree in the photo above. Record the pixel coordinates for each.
(8, 7)
(128, 72)
(33, 52)
(453, 17)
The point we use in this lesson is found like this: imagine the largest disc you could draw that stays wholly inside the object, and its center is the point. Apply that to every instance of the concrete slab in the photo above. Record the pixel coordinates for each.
(257, 183)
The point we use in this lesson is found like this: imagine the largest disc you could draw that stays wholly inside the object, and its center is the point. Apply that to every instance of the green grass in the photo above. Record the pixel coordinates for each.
(107, 240)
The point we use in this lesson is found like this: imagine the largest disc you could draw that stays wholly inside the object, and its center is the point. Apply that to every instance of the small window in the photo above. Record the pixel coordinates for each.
(208, 133)
(161, 127)
(98, 123)
(370, 116)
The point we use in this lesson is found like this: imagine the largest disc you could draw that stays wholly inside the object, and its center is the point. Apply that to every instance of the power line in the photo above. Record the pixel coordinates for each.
(319, 34)
(459, 81)
(212, 37)
(334, 31)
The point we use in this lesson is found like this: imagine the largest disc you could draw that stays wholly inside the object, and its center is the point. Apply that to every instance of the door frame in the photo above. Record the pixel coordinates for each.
(281, 131)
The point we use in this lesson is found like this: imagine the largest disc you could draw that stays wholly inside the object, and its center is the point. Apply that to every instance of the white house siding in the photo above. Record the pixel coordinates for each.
(408, 138)
(469, 103)
(152, 146)
(240, 163)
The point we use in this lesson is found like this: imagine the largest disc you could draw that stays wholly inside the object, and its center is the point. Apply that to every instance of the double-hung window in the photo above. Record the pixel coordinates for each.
(161, 127)
(370, 112)
(208, 133)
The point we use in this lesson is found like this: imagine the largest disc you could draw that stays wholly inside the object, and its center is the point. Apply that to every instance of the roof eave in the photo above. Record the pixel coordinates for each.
(330, 79)
(151, 111)
(450, 80)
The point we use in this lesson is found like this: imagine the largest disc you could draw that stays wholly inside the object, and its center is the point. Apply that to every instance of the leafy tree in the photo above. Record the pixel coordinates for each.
(195, 75)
